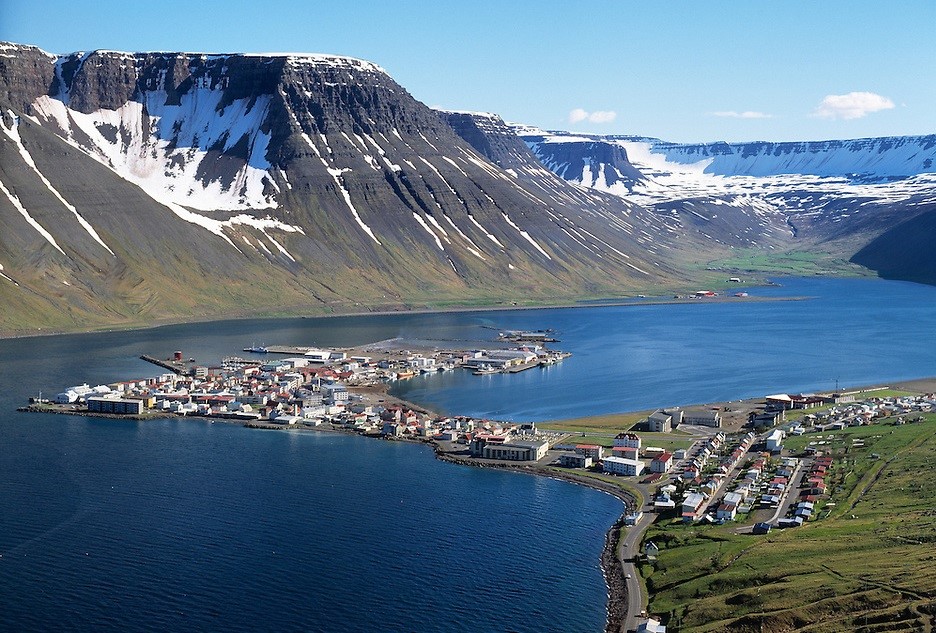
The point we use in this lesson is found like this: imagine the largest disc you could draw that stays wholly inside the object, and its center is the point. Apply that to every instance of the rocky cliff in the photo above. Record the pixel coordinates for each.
(137, 187)
(834, 196)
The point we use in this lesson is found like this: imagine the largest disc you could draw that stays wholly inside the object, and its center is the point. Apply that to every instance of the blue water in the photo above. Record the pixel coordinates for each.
(625, 358)
(186, 525)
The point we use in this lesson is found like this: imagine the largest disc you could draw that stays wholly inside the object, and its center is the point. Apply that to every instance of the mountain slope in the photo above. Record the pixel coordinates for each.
(147, 186)
(833, 195)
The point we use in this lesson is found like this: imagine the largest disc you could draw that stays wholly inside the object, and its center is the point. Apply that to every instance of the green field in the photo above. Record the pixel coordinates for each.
(795, 263)
(865, 567)
(601, 430)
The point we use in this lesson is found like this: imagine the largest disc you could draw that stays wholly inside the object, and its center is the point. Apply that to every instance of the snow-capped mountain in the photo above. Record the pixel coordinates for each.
(137, 186)
(822, 188)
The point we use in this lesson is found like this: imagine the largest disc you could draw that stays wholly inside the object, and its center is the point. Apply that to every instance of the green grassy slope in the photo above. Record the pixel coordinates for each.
(864, 566)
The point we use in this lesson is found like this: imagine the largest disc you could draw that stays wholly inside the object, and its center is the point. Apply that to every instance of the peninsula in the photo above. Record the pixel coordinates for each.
(735, 470)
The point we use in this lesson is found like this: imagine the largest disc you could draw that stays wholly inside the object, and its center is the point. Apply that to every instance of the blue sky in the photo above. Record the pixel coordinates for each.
(681, 71)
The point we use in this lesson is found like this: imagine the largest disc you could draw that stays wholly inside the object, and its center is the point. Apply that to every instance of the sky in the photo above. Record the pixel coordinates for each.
(731, 70)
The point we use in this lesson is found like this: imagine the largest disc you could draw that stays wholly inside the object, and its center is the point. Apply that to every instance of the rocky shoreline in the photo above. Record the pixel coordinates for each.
(611, 563)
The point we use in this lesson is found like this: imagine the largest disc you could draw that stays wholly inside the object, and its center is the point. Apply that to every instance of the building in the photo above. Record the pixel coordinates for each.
(774, 441)
(590, 450)
(767, 418)
(703, 417)
(575, 460)
(692, 504)
(664, 420)
(629, 440)
(624, 451)
(121, 406)
(621, 466)
(516, 451)
(652, 625)
(661, 463)
(726, 512)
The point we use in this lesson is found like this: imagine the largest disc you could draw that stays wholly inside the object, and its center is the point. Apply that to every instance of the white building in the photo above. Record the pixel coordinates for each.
(774, 441)
(622, 466)
(516, 451)
(628, 440)
(661, 463)
(651, 626)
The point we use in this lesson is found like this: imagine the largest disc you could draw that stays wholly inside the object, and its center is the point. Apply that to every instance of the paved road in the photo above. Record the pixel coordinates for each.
(628, 551)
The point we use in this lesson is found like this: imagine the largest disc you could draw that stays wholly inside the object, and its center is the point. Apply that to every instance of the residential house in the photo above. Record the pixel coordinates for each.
(661, 463)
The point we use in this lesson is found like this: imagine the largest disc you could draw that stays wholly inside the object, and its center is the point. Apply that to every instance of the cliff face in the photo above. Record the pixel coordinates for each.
(146, 186)
(835, 196)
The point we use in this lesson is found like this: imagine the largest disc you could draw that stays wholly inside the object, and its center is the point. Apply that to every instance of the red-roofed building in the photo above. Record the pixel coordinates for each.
(590, 450)
(661, 463)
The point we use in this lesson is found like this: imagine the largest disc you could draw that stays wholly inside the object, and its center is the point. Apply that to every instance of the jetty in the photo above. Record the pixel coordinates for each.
(176, 366)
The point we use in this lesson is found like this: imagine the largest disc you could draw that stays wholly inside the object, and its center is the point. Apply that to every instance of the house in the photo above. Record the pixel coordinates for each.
(651, 625)
(774, 441)
(632, 518)
(575, 460)
(761, 528)
(661, 463)
(621, 466)
(590, 450)
(692, 504)
(391, 429)
(726, 512)
(651, 550)
(664, 502)
(629, 440)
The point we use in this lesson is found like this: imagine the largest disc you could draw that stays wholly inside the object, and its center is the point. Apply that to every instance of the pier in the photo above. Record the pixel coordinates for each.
(177, 367)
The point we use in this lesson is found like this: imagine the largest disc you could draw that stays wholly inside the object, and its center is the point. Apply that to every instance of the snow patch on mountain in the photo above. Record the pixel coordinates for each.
(791, 175)
(15, 201)
(172, 151)
(13, 133)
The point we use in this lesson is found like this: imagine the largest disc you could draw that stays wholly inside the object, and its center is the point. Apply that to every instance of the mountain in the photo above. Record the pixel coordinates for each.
(142, 187)
(139, 188)
(838, 196)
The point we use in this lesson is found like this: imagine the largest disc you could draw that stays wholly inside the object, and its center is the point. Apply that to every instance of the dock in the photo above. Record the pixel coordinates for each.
(177, 367)
(293, 350)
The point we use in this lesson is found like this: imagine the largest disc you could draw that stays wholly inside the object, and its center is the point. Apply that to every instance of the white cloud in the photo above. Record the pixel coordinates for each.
(853, 105)
(602, 116)
(747, 114)
(598, 116)
(577, 115)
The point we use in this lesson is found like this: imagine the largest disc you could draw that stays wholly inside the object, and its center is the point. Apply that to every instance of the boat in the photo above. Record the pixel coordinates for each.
(484, 370)
(256, 349)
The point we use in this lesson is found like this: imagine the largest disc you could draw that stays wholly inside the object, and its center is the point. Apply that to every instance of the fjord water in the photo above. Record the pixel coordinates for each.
(187, 525)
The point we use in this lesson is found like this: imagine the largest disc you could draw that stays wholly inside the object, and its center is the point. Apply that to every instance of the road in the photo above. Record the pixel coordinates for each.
(627, 552)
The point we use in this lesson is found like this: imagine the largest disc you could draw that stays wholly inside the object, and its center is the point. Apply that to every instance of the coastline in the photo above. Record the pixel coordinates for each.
(611, 560)
(403, 310)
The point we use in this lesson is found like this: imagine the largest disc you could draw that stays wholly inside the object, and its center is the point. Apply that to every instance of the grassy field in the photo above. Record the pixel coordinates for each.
(865, 567)
(601, 430)
(795, 263)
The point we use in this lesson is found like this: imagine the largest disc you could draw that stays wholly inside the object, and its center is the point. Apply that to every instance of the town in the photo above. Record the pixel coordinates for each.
(727, 472)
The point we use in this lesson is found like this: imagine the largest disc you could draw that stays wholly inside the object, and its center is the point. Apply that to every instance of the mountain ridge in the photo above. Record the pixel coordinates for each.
(320, 176)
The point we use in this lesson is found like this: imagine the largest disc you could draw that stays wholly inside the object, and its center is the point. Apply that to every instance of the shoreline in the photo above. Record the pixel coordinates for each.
(611, 562)
(494, 307)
